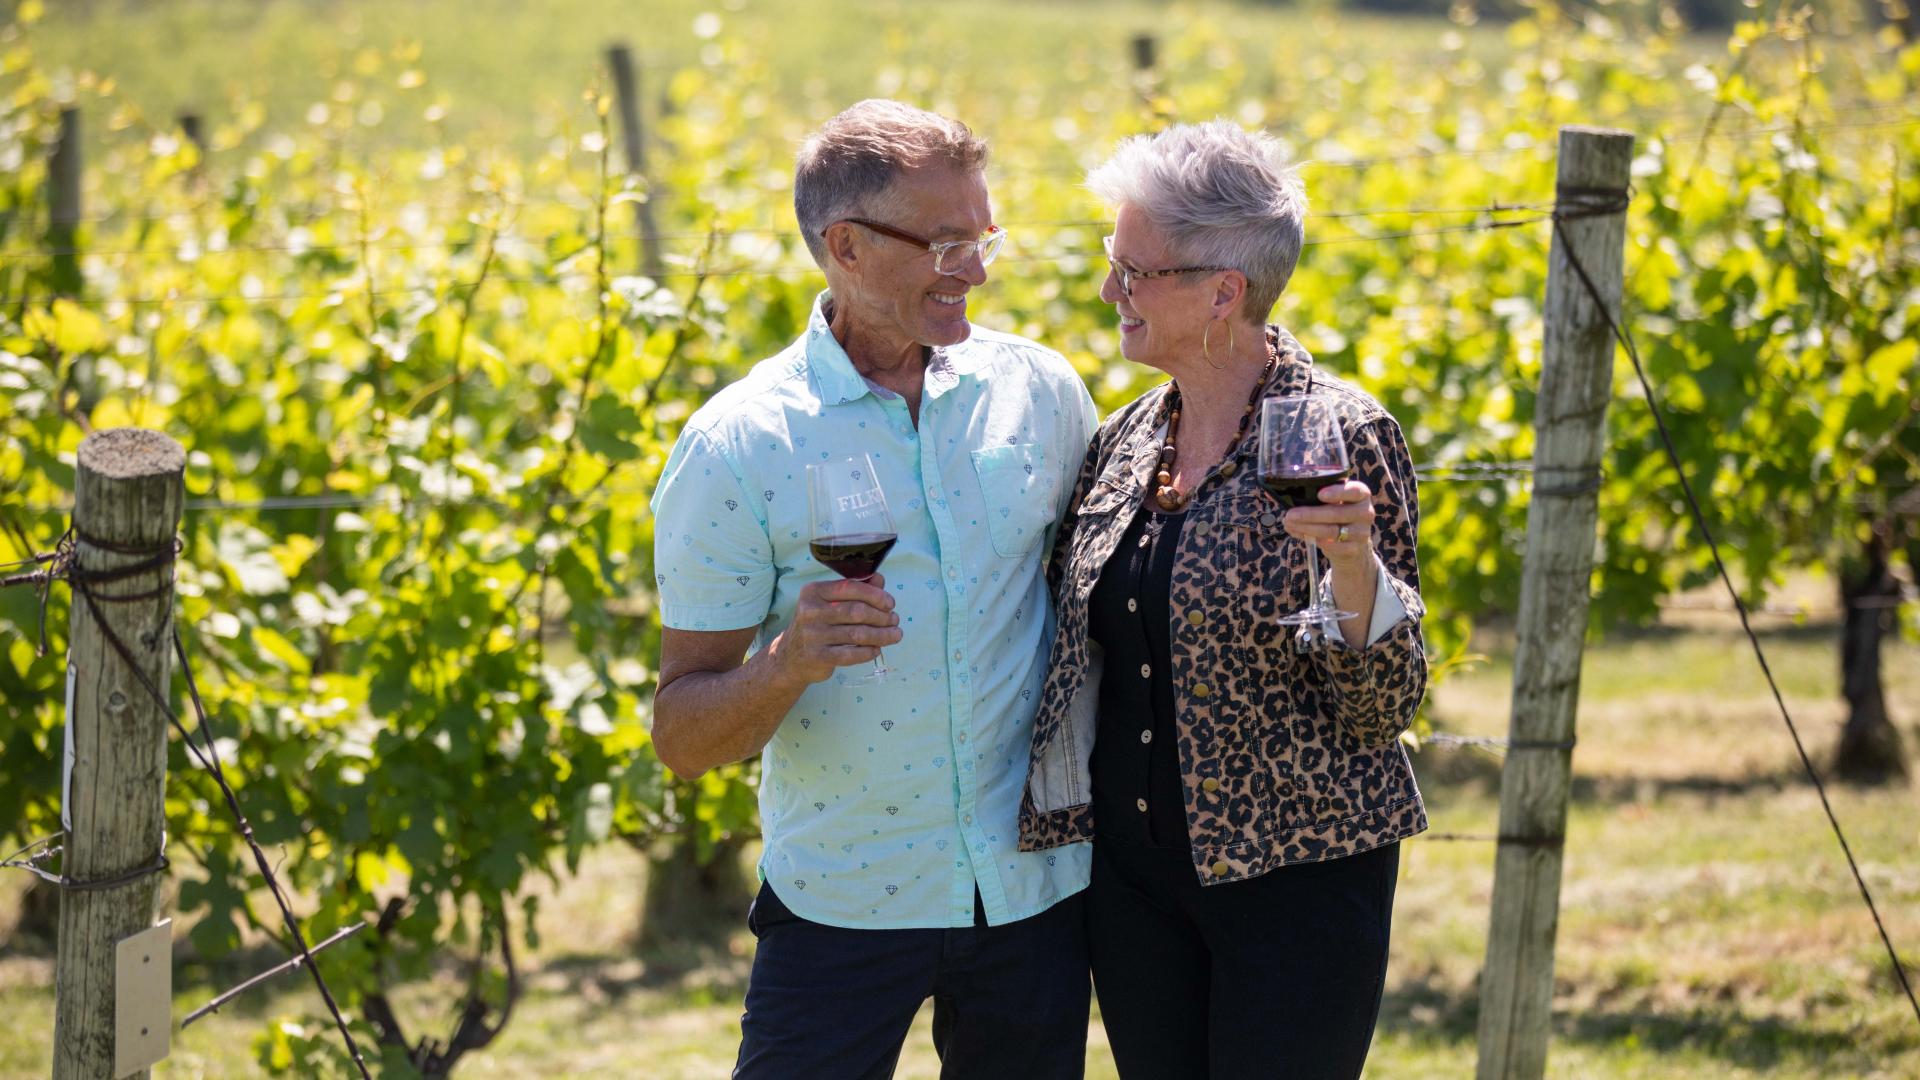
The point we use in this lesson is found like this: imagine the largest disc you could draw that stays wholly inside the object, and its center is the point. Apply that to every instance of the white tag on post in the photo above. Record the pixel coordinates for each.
(142, 999)
(66, 760)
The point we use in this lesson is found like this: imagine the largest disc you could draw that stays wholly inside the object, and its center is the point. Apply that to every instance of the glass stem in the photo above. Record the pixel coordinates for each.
(879, 654)
(1313, 583)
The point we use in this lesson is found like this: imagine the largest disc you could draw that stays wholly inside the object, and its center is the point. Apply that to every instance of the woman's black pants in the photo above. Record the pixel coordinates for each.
(1271, 977)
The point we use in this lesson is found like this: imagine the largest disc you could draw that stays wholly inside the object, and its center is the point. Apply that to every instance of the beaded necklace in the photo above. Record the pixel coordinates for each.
(1165, 493)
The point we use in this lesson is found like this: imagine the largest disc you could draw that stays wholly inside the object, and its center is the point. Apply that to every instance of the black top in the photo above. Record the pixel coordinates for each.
(1137, 792)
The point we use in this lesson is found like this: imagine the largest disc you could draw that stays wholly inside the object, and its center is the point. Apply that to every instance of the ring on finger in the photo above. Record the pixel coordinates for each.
(1344, 534)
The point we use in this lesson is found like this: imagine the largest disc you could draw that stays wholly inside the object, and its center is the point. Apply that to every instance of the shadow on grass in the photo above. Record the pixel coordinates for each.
(1425, 1009)
(1466, 770)
(694, 977)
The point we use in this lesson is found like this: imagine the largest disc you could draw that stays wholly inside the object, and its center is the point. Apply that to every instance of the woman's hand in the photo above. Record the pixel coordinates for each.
(1342, 526)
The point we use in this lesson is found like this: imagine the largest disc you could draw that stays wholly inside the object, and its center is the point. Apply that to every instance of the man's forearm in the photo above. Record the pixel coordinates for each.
(705, 719)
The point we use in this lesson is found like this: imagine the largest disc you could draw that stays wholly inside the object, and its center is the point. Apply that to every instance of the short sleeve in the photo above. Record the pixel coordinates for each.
(712, 557)
(1074, 434)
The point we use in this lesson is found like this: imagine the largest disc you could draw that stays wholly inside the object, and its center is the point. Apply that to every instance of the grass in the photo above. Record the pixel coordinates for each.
(517, 70)
(1708, 924)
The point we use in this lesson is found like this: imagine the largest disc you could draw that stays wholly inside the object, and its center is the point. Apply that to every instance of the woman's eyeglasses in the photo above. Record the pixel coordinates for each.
(1128, 275)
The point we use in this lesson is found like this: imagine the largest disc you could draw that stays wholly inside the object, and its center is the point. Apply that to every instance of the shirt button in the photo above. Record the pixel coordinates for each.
(1195, 618)
(1220, 868)
(968, 820)
(1146, 671)
(963, 736)
(953, 574)
(1142, 804)
(1201, 690)
(957, 656)
(1132, 604)
(1146, 736)
(1201, 528)
(1209, 784)
(1267, 520)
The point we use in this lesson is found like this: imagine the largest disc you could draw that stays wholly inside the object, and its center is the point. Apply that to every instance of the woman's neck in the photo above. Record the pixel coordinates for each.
(1214, 399)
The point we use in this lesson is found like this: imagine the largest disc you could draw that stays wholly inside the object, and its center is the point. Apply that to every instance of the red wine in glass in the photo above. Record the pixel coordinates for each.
(1303, 488)
(852, 530)
(855, 555)
(1303, 450)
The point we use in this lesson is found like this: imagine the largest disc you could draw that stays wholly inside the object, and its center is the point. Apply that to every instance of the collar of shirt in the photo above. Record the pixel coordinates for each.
(837, 381)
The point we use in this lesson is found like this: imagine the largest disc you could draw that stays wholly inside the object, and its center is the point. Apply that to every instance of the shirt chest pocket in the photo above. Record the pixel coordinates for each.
(1019, 493)
(1255, 559)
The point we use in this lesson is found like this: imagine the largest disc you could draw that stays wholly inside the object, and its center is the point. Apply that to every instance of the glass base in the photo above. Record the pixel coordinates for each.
(1315, 616)
(867, 676)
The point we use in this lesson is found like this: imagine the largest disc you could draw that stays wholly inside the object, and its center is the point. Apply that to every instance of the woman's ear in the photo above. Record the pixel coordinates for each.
(1229, 294)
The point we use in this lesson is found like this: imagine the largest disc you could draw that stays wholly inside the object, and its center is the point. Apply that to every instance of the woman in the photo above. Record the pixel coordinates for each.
(1245, 793)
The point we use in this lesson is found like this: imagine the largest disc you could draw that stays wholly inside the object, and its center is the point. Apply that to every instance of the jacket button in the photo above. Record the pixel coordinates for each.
(1142, 804)
(1229, 469)
(1195, 618)
(1209, 784)
(1201, 690)
(1201, 528)
(1132, 604)
(1267, 520)
(1220, 868)
(1146, 671)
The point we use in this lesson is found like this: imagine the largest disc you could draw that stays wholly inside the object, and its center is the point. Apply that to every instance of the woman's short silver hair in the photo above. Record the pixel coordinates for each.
(847, 166)
(1225, 196)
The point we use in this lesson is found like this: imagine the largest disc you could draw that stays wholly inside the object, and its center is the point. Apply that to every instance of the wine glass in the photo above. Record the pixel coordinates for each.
(1301, 451)
(852, 530)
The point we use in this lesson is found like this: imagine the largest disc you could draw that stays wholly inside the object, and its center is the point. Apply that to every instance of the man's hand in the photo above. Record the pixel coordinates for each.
(837, 624)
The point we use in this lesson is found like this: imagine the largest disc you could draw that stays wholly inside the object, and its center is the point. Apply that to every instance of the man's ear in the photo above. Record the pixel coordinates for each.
(842, 249)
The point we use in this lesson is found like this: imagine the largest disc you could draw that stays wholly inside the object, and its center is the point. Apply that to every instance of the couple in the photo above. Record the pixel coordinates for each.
(1096, 750)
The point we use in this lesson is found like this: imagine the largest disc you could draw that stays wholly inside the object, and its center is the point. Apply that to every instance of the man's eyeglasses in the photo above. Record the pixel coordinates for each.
(949, 256)
(1128, 275)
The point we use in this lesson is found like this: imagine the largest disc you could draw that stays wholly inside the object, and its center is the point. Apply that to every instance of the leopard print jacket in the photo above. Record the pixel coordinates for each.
(1286, 758)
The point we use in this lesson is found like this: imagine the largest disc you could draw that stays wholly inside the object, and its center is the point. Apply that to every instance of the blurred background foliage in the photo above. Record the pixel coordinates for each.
(392, 302)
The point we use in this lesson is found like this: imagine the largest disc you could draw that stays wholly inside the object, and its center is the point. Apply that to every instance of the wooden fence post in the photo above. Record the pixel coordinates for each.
(626, 84)
(196, 133)
(1143, 53)
(1516, 986)
(128, 493)
(63, 204)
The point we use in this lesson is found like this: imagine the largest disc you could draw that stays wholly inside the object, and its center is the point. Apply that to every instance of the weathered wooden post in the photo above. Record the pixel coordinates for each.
(63, 205)
(127, 501)
(196, 133)
(191, 127)
(1516, 987)
(1143, 53)
(626, 84)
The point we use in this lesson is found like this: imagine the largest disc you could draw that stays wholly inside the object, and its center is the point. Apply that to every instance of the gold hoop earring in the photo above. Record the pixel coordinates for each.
(1206, 353)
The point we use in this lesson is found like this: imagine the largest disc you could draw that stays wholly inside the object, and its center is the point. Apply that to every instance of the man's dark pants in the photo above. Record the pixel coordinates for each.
(835, 1004)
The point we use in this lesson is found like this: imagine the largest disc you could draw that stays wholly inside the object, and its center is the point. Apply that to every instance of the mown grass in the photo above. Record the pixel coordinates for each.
(509, 72)
(1708, 924)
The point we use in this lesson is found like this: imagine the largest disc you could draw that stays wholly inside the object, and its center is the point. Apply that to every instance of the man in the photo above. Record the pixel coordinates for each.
(892, 870)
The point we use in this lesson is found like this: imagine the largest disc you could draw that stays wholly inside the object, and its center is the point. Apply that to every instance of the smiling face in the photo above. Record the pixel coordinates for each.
(1162, 322)
(890, 296)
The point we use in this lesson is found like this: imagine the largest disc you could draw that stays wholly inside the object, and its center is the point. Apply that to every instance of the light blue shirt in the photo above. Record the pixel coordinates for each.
(884, 806)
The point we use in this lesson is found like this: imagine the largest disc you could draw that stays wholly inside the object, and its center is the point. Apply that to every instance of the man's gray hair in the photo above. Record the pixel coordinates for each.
(847, 166)
(1224, 196)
